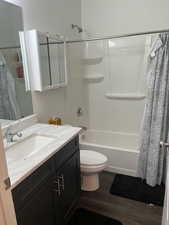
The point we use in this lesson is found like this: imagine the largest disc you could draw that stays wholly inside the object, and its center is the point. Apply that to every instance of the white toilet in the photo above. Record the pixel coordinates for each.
(91, 163)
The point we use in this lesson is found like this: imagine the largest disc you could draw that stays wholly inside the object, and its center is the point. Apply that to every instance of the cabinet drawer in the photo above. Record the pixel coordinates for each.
(24, 190)
(66, 152)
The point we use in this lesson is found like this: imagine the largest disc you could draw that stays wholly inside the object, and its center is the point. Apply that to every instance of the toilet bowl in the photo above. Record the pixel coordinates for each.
(91, 164)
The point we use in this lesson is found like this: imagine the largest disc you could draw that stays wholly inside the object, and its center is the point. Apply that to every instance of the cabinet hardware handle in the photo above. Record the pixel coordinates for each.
(61, 177)
(57, 190)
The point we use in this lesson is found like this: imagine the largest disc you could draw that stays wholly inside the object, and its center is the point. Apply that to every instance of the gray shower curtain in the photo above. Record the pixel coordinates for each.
(156, 116)
(9, 108)
(6, 110)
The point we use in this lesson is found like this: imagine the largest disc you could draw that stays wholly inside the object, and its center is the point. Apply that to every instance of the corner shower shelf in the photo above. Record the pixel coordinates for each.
(129, 96)
(92, 60)
(93, 77)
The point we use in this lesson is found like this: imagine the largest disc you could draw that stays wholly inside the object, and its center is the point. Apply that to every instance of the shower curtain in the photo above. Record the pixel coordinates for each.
(8, 103)
(155, 124)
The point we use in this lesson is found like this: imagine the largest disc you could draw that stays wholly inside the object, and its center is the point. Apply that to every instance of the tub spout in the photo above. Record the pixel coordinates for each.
(83, 128)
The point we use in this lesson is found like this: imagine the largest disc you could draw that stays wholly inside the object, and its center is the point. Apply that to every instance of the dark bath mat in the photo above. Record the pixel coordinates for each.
(136, 189)
(85, 217)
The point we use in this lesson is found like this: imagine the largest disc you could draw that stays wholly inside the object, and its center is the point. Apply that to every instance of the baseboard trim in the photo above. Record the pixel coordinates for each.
(121, 171)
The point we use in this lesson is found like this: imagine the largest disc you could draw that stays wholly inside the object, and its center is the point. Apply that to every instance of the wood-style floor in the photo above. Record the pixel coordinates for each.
(129, 212)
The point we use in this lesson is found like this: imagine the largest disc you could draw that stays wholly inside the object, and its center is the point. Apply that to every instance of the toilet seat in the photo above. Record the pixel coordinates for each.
(91, 158)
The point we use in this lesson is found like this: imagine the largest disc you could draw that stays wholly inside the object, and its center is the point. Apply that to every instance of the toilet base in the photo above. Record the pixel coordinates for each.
(90, 182)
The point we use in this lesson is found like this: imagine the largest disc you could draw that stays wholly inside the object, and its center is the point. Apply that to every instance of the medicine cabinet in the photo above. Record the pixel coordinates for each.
(44, 60)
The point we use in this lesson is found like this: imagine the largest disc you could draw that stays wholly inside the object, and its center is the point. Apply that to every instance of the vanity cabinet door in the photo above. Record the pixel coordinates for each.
(68, 191)
(39, 209)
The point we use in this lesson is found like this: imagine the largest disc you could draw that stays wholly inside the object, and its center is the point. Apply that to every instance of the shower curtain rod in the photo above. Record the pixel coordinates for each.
(112, 37)
(100, 38)
(119, 36)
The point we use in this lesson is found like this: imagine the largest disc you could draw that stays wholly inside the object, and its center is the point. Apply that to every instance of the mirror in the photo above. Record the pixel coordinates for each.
(15, 102)
(45, 60)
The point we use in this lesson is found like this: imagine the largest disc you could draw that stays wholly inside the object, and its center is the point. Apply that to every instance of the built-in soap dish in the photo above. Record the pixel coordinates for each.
(125, 96)
(94, 77)
(92, 60)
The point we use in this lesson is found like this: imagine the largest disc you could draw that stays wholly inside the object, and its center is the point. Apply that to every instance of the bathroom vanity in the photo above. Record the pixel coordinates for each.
(49, 195)
(46, 184)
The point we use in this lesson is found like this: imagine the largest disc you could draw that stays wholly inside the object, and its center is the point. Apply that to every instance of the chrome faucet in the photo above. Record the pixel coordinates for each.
(9, 135)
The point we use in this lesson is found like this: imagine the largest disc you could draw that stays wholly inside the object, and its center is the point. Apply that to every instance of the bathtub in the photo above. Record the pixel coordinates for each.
(120, 148)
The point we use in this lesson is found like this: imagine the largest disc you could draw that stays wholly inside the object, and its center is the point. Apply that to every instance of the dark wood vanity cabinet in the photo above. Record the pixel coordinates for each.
(66, 198)
(39, 209)
(49, 195)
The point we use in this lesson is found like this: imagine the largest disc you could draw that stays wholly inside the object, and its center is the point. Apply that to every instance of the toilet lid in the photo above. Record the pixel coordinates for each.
(92, 158)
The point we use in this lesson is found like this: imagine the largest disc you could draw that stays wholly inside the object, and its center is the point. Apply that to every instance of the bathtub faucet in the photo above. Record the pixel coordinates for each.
(83, 128)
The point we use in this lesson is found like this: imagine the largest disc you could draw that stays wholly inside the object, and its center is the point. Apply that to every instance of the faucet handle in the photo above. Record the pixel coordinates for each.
(10, 135)
(19, 134)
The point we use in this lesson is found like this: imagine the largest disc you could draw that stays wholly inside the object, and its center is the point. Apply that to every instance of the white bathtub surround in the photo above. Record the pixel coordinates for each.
(91, 164)
(120, 149)
(45, 140)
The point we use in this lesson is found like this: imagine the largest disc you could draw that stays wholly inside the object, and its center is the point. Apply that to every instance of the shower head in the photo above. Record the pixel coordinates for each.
(79, 29)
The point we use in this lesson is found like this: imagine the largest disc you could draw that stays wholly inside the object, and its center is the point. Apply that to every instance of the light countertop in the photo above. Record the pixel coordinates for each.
(19, 167)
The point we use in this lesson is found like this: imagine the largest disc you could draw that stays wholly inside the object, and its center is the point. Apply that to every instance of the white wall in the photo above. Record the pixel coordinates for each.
(54, 16)
(74, 95)
(111, 17)
(107, 17)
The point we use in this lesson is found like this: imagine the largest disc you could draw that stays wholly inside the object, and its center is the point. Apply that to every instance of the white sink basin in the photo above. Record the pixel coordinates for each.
(28, 147)
(58, 131)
